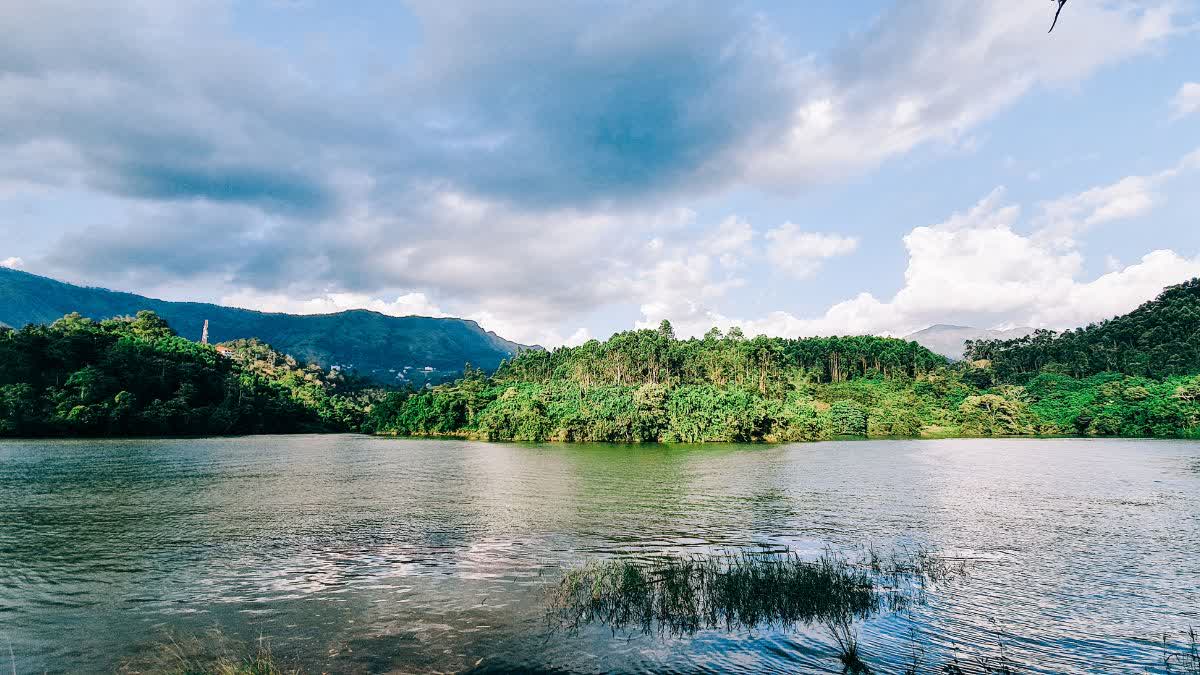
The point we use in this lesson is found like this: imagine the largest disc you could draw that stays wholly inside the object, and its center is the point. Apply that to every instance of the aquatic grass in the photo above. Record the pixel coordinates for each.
(212, 653)
(685, 595)
(1185, 660)
(846, 638)
(680, 595)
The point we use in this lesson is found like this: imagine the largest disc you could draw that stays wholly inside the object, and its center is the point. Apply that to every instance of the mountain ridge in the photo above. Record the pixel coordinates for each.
(950, 340)
(414, 349)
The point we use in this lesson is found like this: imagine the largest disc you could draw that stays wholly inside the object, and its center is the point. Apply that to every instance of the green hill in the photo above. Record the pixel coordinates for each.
(385, 348)
(648, 386)
(1159, 339)
(1134, 376)
(136, 377)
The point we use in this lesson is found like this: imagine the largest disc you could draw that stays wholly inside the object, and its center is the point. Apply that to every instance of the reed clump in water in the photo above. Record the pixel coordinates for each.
(1185, 660)
(210, 654)
(738, 590)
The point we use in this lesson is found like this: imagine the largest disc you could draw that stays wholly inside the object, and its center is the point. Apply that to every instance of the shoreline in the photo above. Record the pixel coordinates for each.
(478, 439)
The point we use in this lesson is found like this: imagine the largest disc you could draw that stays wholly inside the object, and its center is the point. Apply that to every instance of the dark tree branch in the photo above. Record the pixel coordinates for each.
(1055, 23)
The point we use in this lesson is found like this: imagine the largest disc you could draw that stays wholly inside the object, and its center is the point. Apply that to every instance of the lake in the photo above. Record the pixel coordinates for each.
(359, 554)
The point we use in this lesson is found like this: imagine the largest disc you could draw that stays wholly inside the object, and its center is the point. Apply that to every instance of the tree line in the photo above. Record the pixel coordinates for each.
(766, 364)
(1159, 339)
(647, 386)
(1135, 375)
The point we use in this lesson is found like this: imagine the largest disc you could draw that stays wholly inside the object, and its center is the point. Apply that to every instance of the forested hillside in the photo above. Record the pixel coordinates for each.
(389, 349)
(136, 377)
(1134, 375)
(1159, 339)
(646, 386)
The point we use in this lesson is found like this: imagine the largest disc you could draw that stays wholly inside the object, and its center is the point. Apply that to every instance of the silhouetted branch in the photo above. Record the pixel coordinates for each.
(1055, 23)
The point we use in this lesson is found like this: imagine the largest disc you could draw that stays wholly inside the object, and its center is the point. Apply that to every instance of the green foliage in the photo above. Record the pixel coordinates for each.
(893, 422)
(518, 414)
(700, 413)
(801, 421)
(1111, 404)
(848, 419)
(372, 344)
(762, 364)
(1157, 340)
(134, 376)
(994, 415)
(646, 386)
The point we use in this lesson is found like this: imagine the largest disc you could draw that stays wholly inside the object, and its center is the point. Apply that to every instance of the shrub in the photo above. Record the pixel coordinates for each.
(848, 419)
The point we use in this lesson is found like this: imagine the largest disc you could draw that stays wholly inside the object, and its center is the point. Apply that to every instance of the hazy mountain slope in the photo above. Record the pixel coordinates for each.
(949, 340)
(373, 344)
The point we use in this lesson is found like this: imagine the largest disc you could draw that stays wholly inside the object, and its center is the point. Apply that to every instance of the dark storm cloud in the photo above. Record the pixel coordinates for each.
(240, 163)
(534, 102)
(155, 102)
(516, 159)
(572, 101)
(268, 187)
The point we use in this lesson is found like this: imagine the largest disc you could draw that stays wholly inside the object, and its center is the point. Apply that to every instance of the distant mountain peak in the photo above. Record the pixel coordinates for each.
(950, 340)
(944, 326)
(377, 344)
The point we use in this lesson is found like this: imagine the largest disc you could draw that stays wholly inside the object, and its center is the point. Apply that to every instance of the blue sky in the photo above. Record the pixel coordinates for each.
(563, 170)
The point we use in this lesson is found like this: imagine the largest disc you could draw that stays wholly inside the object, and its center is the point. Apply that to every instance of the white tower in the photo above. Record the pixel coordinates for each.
(204, 335)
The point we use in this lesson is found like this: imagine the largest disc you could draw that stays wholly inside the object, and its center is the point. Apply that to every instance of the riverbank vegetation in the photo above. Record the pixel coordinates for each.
(1135, 376)
(211, 653)
(1132, 376)
(134, 376)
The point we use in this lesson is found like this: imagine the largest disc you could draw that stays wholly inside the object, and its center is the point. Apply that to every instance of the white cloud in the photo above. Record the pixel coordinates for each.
(1063, 219)
(528, 333)
(679, 281)
(977, 267)
(679, 288)
(800, 254)
(473, 217)
(13, 263)
(931, 71)
(408, 304)
(1116, 292)
(731, 241)
(1186, 100)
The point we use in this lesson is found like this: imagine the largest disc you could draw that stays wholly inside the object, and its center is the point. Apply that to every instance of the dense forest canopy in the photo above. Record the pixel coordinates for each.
(647, 386)
(133, 376)
(1159, 339)
(656, 357)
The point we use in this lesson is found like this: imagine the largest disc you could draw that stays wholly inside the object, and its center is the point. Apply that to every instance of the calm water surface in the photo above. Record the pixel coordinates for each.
(355, 554)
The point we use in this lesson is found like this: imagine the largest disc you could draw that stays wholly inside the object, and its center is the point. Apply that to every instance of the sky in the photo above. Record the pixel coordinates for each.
(559, 170)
